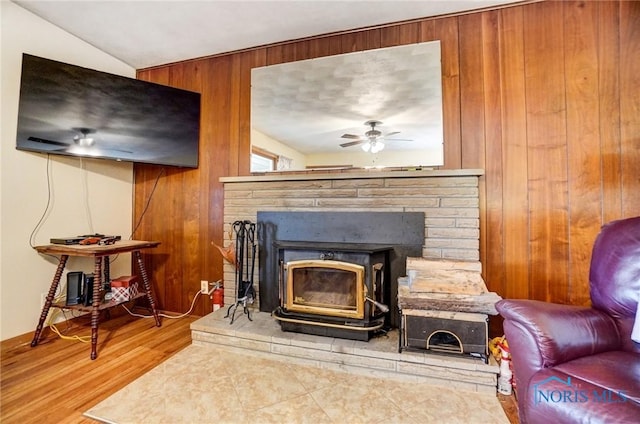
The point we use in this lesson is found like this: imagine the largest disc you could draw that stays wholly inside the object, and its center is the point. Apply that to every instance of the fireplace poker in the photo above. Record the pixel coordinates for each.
(245, 257)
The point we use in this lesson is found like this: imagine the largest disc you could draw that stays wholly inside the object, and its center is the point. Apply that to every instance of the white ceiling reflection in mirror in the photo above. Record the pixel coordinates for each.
(318, 113)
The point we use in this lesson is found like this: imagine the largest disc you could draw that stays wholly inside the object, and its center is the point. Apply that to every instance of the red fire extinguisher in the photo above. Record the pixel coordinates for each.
(217, 296)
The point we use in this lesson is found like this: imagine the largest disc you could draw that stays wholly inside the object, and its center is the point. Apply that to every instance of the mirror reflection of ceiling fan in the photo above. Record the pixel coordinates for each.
(81, 139)
(373, 138)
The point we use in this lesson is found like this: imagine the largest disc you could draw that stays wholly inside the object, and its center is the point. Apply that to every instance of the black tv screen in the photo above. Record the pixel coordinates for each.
(69, 110)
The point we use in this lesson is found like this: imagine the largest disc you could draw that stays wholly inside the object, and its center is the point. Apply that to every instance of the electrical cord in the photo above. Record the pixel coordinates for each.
(144, 211)
(193, 303)
(46, 209)
(87, 339)
(85, 194)
(54, 327)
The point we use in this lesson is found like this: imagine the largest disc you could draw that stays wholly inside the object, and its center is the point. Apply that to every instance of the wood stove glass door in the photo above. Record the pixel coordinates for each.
(325, 287)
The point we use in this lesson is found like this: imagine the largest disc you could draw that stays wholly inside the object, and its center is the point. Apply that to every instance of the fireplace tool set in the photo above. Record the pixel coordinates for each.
(245, 265)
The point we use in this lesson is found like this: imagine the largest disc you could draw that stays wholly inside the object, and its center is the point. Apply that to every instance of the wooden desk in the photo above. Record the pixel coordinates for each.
(98, 252)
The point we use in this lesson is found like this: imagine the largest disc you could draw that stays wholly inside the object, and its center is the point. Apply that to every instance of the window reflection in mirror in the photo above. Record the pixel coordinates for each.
(375, 108)
(263, 160)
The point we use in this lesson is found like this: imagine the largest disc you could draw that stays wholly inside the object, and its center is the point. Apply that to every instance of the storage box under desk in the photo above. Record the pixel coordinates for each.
(459, 333)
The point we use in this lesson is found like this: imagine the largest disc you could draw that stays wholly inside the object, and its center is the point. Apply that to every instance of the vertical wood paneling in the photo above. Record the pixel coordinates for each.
(609, 109)
(583, 141)
(472, 97)
(275, 55)
(187, 76)
(373, 38)
(541, 95)
(218, 82)
(427, 31)
(630, 106)
(515, 211)
(409, 33)
(547, 156)
(446, 30)
(492, 243)
(326, 46)
(390, 36)
(173, 205)
(472, 101)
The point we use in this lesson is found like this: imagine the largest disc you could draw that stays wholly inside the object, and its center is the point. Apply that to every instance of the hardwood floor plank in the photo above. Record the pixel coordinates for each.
(57, 381)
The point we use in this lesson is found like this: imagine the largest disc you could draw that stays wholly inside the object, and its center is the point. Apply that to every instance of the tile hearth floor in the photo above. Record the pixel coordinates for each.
(378, 357)
(207, 384)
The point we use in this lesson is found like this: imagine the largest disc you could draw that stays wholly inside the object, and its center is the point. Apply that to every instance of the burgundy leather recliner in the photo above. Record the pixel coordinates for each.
(576, 364)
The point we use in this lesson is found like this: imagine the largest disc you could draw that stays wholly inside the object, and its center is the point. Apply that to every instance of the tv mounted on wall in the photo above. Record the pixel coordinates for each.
(69, 110)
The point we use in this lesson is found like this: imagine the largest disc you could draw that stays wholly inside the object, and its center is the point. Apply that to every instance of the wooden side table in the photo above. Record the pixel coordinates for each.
(98, 252)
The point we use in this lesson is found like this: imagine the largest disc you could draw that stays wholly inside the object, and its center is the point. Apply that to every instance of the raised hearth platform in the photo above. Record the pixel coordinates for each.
(379, 356)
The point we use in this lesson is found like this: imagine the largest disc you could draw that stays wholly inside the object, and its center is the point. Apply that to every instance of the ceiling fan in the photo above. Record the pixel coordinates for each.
(82, 139)
(372, 140)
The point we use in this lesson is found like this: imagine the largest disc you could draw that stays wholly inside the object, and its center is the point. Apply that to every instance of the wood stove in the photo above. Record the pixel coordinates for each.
(317, 235)
(333, 289)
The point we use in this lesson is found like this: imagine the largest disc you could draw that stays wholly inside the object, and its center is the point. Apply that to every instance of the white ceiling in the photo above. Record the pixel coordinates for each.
(144, 33)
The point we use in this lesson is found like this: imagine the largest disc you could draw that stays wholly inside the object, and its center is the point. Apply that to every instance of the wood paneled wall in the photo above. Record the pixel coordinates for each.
(543, 96)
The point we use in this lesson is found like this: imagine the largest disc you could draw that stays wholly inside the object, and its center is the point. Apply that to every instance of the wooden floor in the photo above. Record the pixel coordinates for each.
(56, 381)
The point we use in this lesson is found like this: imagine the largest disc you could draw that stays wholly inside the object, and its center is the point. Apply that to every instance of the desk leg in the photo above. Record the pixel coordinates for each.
(147, 286)
(107, 273)
(50, 296)
(95, 305)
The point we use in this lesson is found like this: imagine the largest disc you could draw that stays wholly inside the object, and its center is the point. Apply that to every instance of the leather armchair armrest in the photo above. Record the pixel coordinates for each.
(542, 334)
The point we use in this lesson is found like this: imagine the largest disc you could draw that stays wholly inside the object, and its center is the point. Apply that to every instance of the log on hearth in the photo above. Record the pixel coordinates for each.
(483, 303)
(446, 276)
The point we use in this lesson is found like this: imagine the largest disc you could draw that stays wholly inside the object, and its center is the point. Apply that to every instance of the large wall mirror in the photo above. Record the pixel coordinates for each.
(374, 108)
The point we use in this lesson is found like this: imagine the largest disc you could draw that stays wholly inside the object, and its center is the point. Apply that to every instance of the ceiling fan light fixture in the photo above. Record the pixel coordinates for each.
(84, 141)
(366, 146)
(377, 146)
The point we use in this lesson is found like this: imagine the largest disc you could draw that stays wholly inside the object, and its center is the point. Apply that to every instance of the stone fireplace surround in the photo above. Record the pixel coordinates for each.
(449, 200)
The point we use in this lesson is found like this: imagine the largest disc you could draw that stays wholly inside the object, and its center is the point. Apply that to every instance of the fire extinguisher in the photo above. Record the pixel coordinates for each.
(217, 296)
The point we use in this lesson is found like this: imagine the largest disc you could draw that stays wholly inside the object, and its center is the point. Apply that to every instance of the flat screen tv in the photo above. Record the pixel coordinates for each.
(69, 110)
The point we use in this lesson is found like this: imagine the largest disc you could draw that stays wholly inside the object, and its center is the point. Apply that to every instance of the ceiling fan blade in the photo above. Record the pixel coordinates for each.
(45, 141)
(396, 139)
(120, 150)
(351, 136)
(392, 133)
(353, 143)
